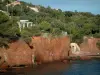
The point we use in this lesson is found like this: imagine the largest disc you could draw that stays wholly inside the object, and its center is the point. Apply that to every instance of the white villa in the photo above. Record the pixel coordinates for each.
(24, 23)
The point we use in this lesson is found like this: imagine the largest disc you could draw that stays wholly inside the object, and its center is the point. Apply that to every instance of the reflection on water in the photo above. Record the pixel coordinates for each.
(87, 67)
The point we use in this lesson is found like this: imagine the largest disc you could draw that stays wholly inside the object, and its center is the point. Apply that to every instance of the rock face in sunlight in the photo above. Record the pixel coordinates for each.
(34, 9)
(75, 49)
(14, 3)
(18, 53)
(43, 50)
(47, 50)
(89, 46)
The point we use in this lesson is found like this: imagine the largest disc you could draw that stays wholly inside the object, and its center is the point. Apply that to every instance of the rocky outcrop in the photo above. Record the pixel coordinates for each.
(34, 9)
(41, 50)
(48, 49)
(2, 59)
(75, 49)
(89, 47)
(18, 53)
(14, 3)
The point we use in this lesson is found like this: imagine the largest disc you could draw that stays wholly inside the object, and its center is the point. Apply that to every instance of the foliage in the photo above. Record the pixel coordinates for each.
(8, 29)
(47, 20)
(45, 26)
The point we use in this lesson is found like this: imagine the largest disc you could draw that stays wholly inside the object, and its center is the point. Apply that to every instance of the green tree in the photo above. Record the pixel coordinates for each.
(45, 26)
(8, 29)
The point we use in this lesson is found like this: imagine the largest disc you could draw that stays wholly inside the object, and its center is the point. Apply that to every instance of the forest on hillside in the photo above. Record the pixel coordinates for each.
(52, 21)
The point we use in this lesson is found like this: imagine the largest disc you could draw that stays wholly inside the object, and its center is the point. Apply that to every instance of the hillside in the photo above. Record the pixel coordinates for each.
(47, 20)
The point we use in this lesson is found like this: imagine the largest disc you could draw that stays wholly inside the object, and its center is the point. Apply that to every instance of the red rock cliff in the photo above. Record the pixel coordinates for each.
(89, 46)
(18, 53)
(44, 50)
(47, 50)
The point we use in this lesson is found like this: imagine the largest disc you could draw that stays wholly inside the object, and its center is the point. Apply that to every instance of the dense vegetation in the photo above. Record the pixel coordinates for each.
(47, 20)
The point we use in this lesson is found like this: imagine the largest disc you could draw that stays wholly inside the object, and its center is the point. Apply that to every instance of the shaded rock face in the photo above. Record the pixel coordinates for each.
(89, 47)
(47, 50)
(2, 59)
(18, 53)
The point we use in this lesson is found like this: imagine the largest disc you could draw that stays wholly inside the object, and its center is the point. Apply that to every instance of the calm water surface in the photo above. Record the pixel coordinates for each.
(87, 67)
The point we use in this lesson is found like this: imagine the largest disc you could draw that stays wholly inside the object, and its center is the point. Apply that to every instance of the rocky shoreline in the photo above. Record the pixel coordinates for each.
(43, 50)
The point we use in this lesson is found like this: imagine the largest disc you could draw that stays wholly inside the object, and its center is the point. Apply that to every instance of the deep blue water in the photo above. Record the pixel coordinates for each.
(83, 68)
(77, 67)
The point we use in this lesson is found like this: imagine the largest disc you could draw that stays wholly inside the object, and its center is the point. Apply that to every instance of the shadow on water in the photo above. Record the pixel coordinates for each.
(44, 69)
(76, 67)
